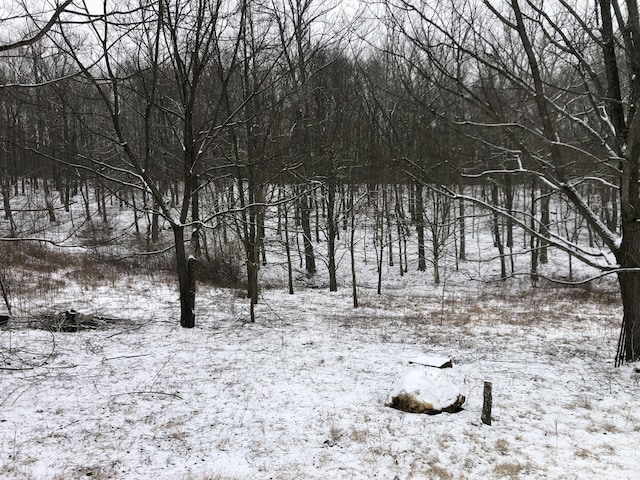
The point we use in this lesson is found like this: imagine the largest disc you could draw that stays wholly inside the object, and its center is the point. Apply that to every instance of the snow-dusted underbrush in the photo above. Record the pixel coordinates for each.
(301, 394)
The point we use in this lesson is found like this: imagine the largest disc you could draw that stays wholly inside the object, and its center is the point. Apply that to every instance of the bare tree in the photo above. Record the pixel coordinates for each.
(576, 70)
(34, 26)
(303, 57)
(178, 40)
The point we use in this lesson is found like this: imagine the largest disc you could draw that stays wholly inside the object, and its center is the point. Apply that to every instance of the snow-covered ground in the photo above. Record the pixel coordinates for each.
(301, 394)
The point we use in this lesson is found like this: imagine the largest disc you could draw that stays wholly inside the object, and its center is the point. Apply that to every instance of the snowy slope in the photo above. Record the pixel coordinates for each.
(302, 393)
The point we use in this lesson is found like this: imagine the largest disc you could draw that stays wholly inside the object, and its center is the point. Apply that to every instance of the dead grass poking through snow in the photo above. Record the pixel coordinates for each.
(437, 472)
(511, 470)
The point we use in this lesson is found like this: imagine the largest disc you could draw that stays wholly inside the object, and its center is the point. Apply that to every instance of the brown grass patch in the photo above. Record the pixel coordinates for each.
(47, 267)
(510, 470)
(438, 472)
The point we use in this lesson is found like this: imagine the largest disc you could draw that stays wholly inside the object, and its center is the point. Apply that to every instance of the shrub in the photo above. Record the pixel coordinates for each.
(220, 271)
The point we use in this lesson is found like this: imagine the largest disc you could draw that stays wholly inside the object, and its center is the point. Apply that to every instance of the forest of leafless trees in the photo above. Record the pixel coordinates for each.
(205, 115)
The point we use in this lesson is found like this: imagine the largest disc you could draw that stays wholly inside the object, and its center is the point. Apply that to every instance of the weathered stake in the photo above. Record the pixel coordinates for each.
(486, 404)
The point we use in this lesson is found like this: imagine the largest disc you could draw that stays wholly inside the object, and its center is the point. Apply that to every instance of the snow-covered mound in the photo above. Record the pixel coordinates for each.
(426, 391)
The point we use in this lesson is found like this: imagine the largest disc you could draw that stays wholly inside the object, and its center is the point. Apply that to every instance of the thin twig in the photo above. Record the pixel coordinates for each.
(149, 392)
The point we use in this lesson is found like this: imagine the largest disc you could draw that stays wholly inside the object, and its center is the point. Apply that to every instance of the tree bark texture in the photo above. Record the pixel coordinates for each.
(628, 255)
(186, 280)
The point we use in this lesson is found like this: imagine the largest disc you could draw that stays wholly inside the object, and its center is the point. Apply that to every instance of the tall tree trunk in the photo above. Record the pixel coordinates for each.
(614, 210)
(496, 231)
(67, 192)
(629, 343)
(508, 203)
(440, 230)
(628, 254)
(4, 292)
(400, 226)
(419, 219)
(48, 200)
(194, 253)
(252, 275)
(103, 202)
(8, 213)
(186, 282)
(248, 195)
(462, 252)
(84, 190)
(545, 223)
(379, 238)
(629, 258)
(6, 200)
(287, 247)
(352, 246)
(533, 240)
(136, 219)
(387, 216)
(315, 202)
(305, 213)
(332, 233)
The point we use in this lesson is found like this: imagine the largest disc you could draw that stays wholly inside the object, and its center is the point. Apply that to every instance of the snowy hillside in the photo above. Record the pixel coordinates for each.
(301, 394)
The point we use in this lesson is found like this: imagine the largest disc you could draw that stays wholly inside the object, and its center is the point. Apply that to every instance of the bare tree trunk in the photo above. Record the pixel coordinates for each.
(67, 192)
(6, 201)
(508, 201)
(48, 200)
(379, 238)
(400, 226)
(628, 254)
(352, 246)
(287, 247)
(103, 202)
(544, 223)
(315, 203)
(155, 222)
(496, 231)
(305, 213)
(419, 219)
(332, 233)
(136, 219)
(186, 279)
(462, 250)
(614, 209)
(194, 253)
(629, 280)
(533, 240)
(387, 216)
(629, 342)
(439, 227)
(4, 292)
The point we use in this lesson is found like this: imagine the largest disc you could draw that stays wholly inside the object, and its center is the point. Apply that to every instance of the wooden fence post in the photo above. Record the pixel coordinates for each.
(486, 404)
